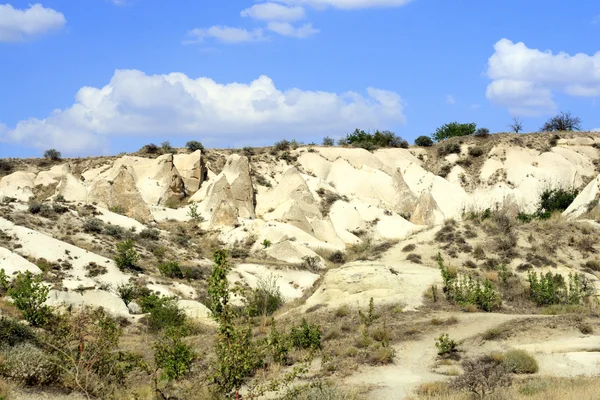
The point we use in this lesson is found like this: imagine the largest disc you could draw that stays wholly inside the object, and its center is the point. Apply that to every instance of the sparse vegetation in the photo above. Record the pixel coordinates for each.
(482, 133)
(127, 256)
(562, 122)
(52, 154)
(424, 141)
(520, 362)
(328, 142)
(368, 141)
(454, 129)
(194, 145)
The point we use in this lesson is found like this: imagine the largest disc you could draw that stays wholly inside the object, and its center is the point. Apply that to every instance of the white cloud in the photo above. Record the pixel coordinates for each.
(348, 4)
(596, 130)
(225, 34)
(274, 12)
(524, 79)
(17, 25)
(450, 99)
(135, 104)
(287, 29)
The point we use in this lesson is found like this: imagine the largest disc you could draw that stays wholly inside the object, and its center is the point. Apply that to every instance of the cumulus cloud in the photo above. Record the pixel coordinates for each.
(524, 79)
(225, 34)
(274, 12)
(136, 104)
(287, 29)
(18, 25)
(348, 4)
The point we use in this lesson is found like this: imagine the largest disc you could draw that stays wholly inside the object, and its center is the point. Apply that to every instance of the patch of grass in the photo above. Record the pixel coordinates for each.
(409, 247)
(520, 362)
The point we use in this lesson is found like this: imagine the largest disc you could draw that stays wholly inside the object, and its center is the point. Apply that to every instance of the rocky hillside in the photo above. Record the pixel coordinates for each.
(333, 227)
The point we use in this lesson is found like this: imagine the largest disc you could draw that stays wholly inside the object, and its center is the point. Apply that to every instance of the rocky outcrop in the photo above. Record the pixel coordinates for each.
(230, 194)
(354, 284)
(587, 202)
(18, 185)
(427, 211)
(192, 169)
(120, 191)
(405, 200)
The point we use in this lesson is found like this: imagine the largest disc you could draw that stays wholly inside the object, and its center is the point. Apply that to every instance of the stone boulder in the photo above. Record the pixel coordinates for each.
(586, 202)
(12, 263)
(354, 284)
(120, 191)
(18, 185)
(192, 169)
(230, 194)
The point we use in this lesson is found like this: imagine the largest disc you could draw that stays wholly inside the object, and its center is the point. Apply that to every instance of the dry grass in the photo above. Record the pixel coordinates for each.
(532, 389)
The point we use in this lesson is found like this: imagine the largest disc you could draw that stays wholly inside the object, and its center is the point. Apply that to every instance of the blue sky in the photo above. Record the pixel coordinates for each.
(102, 76)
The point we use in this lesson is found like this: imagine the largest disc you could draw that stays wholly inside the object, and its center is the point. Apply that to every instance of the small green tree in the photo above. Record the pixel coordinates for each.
(327, 141)
(424, 141)
(445, 345)
(172, 356)
(171, 269)
(454, 129)
(29, 294)
(126, 257)
(52, 154)
(194, 145)
(237, 355)
(193, 212)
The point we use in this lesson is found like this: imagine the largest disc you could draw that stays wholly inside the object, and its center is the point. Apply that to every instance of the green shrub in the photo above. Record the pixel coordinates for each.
(424, 141)
(94, 269)
(150, 234)
(337, 257)
(520, 362)
(34, 207)
(282, 145)
(126, 292)
(311, 263)
(29, 293)
(150, 148)
(165, 147)
(193, 213)
(52, 154)
(482, 133)
(126, 257)
(550, 289)
(266, 243)
(194, 145)
(172, 355)
(86, 343)
(30, 365)
(266, 298)
(4, 283)
(93, 225)
(327, 141)
(450, 148)
(560, 199)
(171, 269)
(165, 314)
(445, 346)
(368, 141)
(475, 151)
(115, 231)
(279, 344)
(466, 290)
(306, 336)
(454, 129)
(13, 332)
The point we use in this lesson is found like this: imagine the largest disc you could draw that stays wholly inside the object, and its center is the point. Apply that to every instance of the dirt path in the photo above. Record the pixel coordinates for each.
(414, 359)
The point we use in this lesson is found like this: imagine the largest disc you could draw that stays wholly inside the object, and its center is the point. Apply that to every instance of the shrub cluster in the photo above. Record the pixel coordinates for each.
(368, 141)
(550, 289)
(454, 129)
(465, 290)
